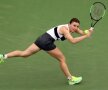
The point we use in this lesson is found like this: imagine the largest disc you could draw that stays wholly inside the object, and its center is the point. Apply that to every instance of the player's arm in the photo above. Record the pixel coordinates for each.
(70, 38)
(81, 32)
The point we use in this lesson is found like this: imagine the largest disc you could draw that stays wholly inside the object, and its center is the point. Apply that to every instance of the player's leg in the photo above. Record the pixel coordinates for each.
(27, 52)
(56, 53)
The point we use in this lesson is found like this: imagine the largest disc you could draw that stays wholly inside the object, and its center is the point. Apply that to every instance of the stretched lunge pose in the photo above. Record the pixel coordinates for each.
(46, 42)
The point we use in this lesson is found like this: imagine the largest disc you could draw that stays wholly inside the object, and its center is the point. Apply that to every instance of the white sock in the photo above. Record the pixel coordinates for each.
(5, 56)
(69, 77)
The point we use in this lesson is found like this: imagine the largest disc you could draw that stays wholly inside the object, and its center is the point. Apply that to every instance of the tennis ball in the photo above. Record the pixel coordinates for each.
(86, 31)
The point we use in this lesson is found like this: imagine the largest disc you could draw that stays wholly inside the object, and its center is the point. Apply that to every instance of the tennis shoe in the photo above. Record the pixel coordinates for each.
(74, 80)
(1, 58)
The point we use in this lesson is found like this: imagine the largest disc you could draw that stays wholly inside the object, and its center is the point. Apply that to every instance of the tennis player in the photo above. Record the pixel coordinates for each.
(46, 42)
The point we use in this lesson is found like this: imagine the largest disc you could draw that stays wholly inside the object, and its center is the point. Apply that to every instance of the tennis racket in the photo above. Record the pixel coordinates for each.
(97, 12)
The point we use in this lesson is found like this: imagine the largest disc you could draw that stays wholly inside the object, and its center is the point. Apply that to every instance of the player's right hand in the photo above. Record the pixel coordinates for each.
(91, 29)
(90, 32)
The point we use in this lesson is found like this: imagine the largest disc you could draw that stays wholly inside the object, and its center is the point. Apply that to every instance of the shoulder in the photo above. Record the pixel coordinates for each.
(63, 28)
(64, 31)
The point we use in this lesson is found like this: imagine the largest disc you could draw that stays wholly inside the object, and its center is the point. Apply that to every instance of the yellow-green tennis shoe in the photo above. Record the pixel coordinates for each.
(74, 80)
(1, 58)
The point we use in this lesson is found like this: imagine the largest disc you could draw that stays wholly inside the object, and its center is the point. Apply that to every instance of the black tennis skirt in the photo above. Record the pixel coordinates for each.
(45, 42)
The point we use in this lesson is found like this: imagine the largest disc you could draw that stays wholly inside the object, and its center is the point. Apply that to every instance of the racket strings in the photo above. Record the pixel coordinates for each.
(97, 11)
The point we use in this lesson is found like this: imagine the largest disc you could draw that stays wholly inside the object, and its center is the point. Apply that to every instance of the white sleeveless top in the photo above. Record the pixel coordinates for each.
(51, 32)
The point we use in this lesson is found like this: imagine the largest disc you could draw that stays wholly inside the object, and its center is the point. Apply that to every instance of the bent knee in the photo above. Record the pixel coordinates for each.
(62, 59)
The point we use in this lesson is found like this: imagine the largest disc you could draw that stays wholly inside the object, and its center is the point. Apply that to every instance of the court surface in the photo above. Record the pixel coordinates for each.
(22, 21)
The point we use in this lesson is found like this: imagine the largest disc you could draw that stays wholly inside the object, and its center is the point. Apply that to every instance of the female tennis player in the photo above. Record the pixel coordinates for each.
(46, 42)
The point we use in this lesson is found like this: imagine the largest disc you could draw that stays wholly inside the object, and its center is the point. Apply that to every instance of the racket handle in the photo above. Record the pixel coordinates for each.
(91, 28)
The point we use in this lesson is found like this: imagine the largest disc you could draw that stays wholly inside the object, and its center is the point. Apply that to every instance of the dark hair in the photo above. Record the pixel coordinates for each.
(74, 20)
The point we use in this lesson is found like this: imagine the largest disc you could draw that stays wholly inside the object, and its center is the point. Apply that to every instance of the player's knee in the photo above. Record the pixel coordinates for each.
(62, 59)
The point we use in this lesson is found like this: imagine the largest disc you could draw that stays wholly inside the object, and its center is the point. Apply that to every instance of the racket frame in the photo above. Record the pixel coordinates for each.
(94, 21)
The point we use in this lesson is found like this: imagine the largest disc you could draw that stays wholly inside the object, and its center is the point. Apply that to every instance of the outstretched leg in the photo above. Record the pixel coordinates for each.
(27, 52)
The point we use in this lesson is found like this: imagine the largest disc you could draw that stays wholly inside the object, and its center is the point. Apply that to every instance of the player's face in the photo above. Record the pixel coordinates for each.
(73, 26)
